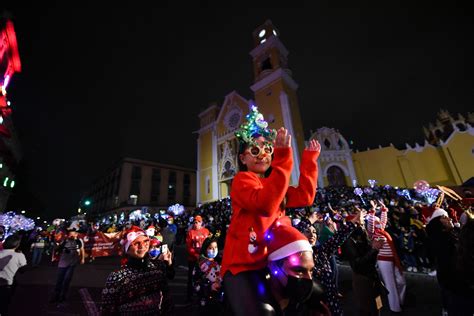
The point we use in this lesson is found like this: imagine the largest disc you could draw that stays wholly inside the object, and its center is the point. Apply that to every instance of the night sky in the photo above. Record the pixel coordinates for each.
(99, 83)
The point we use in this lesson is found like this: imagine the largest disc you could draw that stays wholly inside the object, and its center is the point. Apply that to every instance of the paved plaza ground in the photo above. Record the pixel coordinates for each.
(35, 286)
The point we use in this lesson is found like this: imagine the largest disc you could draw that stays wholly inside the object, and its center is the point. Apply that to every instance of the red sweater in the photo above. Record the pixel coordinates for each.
(256, 204)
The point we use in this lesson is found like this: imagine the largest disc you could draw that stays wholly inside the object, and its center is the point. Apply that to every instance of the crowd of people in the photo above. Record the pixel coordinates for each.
(271, 248)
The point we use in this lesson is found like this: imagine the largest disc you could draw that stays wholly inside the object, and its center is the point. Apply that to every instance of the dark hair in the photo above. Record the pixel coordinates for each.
(12, 242)
(435, 228)
(242, 148)
(206, 244)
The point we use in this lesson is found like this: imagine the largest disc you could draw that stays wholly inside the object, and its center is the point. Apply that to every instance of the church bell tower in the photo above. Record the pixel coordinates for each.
(275, 88)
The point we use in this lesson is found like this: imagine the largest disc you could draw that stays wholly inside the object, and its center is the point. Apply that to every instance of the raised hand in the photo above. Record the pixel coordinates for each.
(373, 204)
(314, 145)
(283, 138)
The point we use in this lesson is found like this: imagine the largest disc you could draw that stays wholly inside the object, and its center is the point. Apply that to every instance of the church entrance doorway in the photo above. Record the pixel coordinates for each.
(336, 176)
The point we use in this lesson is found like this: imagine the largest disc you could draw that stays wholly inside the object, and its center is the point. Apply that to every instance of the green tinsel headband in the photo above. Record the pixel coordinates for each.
(256, 125)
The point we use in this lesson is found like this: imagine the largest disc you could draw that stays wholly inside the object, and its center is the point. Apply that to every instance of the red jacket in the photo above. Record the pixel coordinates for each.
(256, 204)
(194, 240)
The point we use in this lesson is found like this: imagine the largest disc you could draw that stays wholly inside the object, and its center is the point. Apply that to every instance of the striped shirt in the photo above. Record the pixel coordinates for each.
(374, 227)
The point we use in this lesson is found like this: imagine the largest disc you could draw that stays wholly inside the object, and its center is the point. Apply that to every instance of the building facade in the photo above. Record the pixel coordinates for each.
(10, 153)
(445, 158)
(136, 184)
(275, 96)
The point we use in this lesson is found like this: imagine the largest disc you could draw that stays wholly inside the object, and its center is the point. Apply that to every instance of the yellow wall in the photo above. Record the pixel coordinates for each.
(205, 159)
(296, 118)
(427, 164)
(205, 196)
(268, 101)
(460, 156)
(449, 164)
(378, 164)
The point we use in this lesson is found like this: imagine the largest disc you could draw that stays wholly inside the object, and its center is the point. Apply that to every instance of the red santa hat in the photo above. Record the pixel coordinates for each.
(437, 213)
(133, 233)
(285, 240)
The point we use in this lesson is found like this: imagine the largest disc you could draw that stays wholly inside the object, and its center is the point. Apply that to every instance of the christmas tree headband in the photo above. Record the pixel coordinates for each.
(256, 125)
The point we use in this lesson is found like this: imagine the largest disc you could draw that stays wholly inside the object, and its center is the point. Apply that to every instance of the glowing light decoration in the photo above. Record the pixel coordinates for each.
(5, 182)
(176, 209)
(263, 41)
(372, 183)
(136, 215)
(368, 191)
(1, 119)
(293, 260)
(405, 193)
(275, 33)
(421, 186)
(12, 184)
(14, 222)
(359, 192)
(354, 183)
(262, 33)
(431, 195)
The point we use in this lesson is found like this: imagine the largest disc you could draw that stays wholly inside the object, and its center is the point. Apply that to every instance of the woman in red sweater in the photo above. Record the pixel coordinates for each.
(259, 198)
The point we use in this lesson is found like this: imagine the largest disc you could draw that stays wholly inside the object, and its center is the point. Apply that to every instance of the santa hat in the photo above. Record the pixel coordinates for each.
(154, 242)
(284, 241)
(133, 233)
(437, 213)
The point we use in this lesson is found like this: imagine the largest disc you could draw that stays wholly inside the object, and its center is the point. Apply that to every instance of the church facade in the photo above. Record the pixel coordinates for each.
(446, 157)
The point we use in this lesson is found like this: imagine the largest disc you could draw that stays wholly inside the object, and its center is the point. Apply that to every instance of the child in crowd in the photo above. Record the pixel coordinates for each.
(208, 279)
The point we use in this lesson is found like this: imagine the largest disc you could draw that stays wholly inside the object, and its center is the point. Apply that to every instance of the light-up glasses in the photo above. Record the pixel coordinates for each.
(256, 151)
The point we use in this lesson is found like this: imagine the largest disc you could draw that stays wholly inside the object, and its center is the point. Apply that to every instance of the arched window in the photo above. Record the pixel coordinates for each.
(327, 143)
(461, 127)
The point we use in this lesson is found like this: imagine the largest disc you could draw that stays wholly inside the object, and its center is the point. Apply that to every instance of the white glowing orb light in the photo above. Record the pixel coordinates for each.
(135, 215)
(14, 222)
(176, 209)
(275, 33)
(261, 34)
(263, 41)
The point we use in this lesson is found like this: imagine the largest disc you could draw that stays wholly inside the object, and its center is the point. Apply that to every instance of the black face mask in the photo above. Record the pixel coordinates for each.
(298, 290)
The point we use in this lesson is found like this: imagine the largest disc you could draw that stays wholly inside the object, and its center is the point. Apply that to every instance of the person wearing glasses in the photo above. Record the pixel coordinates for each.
(194, 239)
(260, 192)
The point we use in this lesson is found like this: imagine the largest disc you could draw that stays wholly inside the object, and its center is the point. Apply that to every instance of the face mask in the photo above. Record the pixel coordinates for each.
(212, 253)
(154, 253)
(299, 290)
